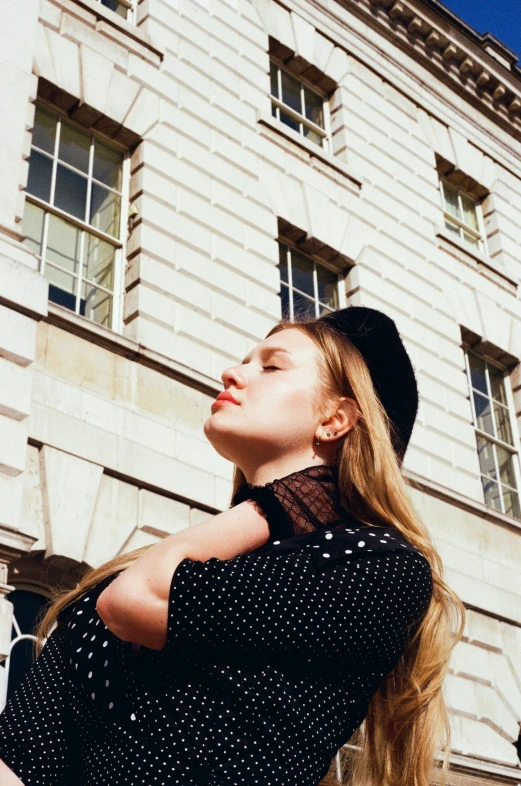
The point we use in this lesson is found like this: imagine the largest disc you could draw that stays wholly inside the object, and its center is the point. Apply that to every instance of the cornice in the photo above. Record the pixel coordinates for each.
(478, 67)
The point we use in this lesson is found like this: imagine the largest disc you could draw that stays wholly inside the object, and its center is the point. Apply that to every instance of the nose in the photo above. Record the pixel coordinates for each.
(233, 375)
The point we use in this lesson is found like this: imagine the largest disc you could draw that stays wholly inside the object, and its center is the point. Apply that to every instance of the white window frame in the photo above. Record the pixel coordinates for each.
(316, 262)
(130, 5)
(325, 132)
(514, 449)
(480, 233)
(119, 243)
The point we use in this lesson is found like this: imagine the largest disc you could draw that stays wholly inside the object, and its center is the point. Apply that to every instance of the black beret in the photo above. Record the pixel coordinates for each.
(376, 336)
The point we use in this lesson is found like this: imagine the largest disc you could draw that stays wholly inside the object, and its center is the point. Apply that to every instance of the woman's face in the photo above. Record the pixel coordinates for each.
(275, 388)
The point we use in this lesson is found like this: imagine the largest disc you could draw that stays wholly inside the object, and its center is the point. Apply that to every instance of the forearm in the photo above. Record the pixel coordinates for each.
(135, 605)
(7, 776)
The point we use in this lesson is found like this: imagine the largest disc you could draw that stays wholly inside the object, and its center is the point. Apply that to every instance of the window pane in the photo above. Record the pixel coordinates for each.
(483, 413)
(289, 121)
(477, 373)
(453, 229)
(302, 273)
(511, 502)
(285, 305)
(497, 384)
(303, 306)
(283, 262)
(506, 466)
(96, 305)
(504, 431)
(116, 7)
(44, 131)
(107, 166)
(491, 493)
(486, 457)
(32, 227)
(274, 85)
(71, 192)
(291, 92)
(63, 244)
(62, 287)
(98, 265)
(274, 110)
(314, 106)
(327, 287)
(40, 173)
(469, 212)
(451, 200)
(105, 210)
(74, 148)
(313, 136)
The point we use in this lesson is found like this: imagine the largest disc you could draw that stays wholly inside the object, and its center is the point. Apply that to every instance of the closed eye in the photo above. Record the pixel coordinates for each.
(275, 367)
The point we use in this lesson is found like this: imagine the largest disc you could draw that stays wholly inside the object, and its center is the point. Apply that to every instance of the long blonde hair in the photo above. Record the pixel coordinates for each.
(407, 719)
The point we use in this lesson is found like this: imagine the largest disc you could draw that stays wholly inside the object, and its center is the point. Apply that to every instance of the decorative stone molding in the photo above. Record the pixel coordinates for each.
(483, 67)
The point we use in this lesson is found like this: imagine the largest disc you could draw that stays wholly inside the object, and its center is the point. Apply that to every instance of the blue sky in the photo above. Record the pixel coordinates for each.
(502, 18)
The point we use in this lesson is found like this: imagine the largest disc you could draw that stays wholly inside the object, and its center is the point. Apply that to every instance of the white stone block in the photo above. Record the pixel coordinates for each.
(15, 390)
(23, 286)
(96, 76)
(160, 515)
(17, 336)
(114, 519)
(11, 492)
(71, 486)
(69, 434)
(57, 393)
(13, 444)
(144, 113)
(121, 95)
(31, 520)
(66, 60)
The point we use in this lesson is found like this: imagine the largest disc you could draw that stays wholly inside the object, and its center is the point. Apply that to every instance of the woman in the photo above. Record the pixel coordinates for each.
(249, 648)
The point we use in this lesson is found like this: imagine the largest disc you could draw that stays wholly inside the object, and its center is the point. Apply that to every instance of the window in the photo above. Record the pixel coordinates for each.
(299, 106)
(463, 216)
(307, 287)
(496, 444)
(72, 218)
(121, 7)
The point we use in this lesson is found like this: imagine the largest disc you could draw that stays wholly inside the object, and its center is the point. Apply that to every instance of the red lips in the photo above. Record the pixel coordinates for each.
(226, 396)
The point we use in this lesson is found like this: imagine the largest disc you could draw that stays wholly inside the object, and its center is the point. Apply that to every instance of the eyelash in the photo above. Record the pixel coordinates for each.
(275, 367)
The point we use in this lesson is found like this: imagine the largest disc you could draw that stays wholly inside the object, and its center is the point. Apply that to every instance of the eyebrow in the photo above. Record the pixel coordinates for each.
(267, 351)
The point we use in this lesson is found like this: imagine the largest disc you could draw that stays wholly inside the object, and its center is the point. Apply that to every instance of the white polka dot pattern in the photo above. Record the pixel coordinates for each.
(270, 664)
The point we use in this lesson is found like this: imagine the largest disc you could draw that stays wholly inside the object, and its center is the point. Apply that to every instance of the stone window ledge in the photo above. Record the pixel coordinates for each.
(121, 345)
(120, 25)
(476, 259)
(314, 150)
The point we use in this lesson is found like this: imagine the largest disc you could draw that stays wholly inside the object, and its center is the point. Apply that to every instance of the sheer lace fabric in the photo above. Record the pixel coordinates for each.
(304, 501)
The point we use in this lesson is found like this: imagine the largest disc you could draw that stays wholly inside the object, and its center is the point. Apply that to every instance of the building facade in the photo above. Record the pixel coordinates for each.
(178, 174)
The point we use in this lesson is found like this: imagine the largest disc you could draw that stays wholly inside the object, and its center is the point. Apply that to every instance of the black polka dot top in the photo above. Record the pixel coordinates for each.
(270, 663)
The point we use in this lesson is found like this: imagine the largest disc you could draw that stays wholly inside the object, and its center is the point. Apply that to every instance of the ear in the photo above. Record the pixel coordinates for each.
(340, 421)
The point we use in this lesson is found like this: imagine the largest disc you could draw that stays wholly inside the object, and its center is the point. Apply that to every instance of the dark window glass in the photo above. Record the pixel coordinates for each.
(302, 273)
(291, 92)
(71, 192)
(44, 130)
(40, 174)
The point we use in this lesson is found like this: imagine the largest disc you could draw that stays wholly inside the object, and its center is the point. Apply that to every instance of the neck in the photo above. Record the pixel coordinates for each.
(280, 467)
